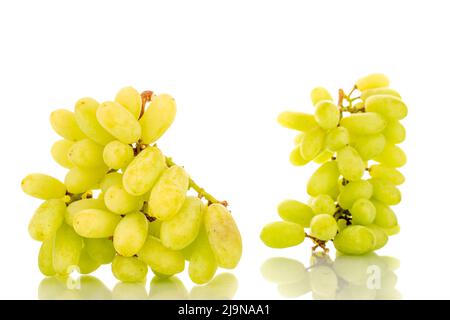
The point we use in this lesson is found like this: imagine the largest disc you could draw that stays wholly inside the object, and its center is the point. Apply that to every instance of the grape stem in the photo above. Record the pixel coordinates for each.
(318, 243)
(146, 96)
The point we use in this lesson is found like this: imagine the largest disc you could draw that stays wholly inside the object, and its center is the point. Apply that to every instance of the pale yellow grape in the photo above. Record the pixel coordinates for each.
(323, 157)
(79, 180)
(45, 258)
(101, 249)
(364, 123)
(296, 157)
(353, 191)
(130, 234)
(374, 80)
(47, 219)
(222, 287)
(117, 155)
(282, 234)
(109, 180)
(119, 122)
(324, 179)
(385, 217)
(129, 269)
(337, 138)
(324, 281)
(169, 193)
(43, 186)
(95, 223)
(64, 123)
(86, 117)
(86, 154)
(283, 270)
(66, 250)
(368, 146)
(382, 172)
(161, 259)
(385, 191)
(381, 237)
(391, 231)
(178, 232)
(312, 143)
(154, 228)
(86, 263)
(327, 115)
(355, 240)
(350, 164)
(158, 117)
(323, 227)
(223, 235)
(363, 212)
(202, 262)
(82, 204)
(298, 138)
(394, 132)
(323, 203)
(130, 99)
(320, 94)
(377, 91)
(392, 156)
(119, 201)
(297, 120)
(295, 211)
(390, 107)
(59, 152)
(143, 172)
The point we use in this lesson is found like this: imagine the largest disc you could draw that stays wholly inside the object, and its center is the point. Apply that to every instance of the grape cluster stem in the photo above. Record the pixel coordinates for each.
(318, 243)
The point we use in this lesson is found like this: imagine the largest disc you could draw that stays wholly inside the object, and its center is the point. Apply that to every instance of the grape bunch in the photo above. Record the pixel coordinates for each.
(355, 141)
(123, 202)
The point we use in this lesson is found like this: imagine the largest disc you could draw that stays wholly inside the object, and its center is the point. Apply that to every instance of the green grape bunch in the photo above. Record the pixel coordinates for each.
(355, 141)
(123, 202)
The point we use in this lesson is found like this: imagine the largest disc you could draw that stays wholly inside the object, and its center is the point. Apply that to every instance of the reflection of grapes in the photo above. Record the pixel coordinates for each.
(347, 206)
(347, 277)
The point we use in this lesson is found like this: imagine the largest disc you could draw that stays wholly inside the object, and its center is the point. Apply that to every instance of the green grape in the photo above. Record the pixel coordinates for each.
(119, 122)
(86, 154)
(323, 203)
(130, 99)
(178, 232)
(372, 81)
(43, 186)
(45, 258)
(369, 146)
(117, 155)
(223, 235)
(353, 191)
(342, 224)
(381, 237)
(66, 250)
(158, 117)
(101, 250)
(109, 180)
(324, 281)
(350, 164)
(202, 263)
(323, 157)
(169, 193)
(385, 217)
(327, 115)
(222, 287)
(323, 227)
(295, 211)
(154, 228)
(86, 263)
(320, 94)
(391, 231)
(167, 289)
(355, 240)
(82, 204)
(79, 180)
(283, 270)
(297, 120)
(394, 132)
(363, 212)
(337, 138)
(390, 107)
(324, 180)
(47, 219)
(129, 269)
(379, 91)
(86, 118)
(129, 291)
(385, 191)
(95, 223)
(282, 234)
(312, 143)
(161, 259)
(143, 172)
(59, 153)
(64, 123)
(296, 157)
(130, 234)
(119, 201)
(391, 156)
(364, 123)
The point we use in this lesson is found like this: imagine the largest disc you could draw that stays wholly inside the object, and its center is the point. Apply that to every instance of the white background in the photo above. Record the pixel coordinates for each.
(232, 67)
